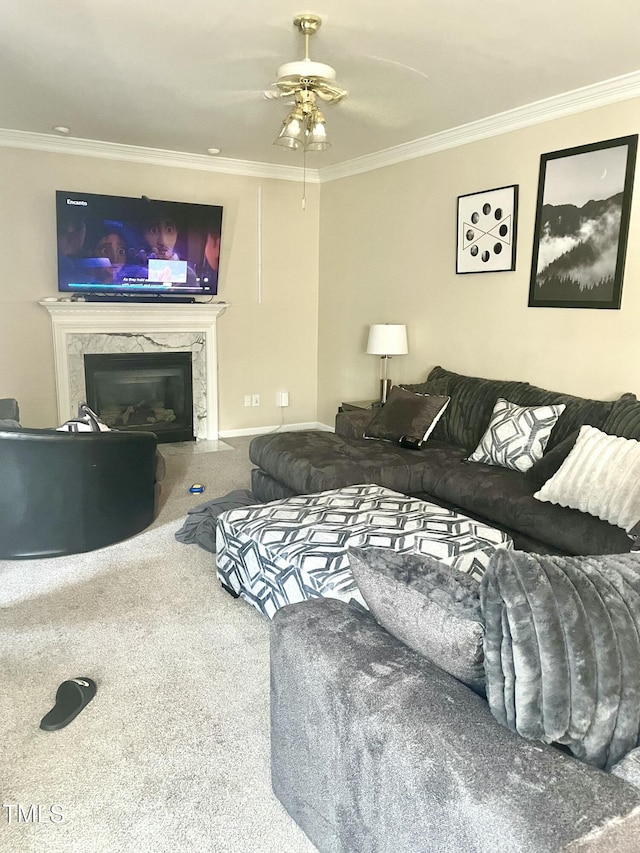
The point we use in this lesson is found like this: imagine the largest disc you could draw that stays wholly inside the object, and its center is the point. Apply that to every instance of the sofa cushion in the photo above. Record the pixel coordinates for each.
(267, 489)
(624, 418)
(473, 398)
(562, 643)
(311, 461)
(353, 424)
(472, 402)
(545, 468)
(517, 435)
(506, 498)
(438, 386)
(431, 607)
(578, 410)
(407, 415)
(600, 476)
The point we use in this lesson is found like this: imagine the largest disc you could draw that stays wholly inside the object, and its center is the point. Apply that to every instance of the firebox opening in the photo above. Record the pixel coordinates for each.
(143, 391)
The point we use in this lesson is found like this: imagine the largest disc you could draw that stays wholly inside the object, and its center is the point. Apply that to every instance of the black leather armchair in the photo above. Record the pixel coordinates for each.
(65, 493)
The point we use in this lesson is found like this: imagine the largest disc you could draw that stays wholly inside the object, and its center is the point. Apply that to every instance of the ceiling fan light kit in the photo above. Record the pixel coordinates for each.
(293, 130)
(306, 81)
(317, 136)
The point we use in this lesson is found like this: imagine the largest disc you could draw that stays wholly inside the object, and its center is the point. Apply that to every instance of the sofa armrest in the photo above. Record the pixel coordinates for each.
(353, 424)
(372, 746)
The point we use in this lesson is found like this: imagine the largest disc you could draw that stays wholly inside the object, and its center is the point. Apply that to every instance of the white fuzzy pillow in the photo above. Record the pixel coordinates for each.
(600, 476)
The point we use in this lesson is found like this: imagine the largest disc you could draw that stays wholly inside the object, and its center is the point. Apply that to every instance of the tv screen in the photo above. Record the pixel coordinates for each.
(109, 244)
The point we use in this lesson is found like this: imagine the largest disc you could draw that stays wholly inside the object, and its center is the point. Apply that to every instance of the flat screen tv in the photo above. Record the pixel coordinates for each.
(114, 245)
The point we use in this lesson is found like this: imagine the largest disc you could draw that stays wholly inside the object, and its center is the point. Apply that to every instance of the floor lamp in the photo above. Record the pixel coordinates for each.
(385, 340)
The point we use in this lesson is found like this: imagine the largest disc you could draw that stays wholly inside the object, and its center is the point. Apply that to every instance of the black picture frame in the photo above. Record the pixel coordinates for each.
(582, 225)
(487, 231)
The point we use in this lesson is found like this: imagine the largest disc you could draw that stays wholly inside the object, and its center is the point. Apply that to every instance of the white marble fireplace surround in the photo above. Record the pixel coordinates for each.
(96, 328)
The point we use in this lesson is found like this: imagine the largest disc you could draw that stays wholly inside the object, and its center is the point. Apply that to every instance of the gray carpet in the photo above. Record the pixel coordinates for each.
(173, 752)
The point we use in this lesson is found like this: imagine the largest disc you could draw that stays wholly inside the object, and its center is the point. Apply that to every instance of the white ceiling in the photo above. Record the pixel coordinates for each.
(186, 76)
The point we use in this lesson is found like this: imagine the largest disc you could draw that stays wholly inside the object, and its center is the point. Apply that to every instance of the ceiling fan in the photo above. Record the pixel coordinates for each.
(307, 82)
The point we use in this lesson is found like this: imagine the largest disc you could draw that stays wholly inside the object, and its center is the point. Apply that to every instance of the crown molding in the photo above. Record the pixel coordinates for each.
(154, 156)
(579, 100)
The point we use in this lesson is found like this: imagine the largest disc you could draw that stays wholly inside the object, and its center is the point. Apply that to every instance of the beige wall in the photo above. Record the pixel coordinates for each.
(387, 255)
(261, 349)
(382, 250)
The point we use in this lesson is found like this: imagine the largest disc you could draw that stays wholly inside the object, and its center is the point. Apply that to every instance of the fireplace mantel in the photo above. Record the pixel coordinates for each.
(85, 327)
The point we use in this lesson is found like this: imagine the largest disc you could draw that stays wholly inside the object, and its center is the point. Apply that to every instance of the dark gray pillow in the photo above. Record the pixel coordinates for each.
(408, 415)
(432, 608)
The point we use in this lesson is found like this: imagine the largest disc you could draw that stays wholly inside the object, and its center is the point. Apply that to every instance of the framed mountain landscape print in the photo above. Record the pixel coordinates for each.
(582, 222)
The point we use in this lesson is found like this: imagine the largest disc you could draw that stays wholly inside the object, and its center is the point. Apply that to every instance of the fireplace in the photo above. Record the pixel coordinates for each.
(80, 328)
(143, 391)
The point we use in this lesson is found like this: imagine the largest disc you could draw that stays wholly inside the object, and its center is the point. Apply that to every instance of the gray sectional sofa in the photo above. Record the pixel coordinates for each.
(375, 749)
(313, 461)
(382, 740)
(379, 743)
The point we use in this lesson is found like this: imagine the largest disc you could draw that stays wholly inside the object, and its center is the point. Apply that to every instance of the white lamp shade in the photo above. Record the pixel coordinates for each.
(387, 339)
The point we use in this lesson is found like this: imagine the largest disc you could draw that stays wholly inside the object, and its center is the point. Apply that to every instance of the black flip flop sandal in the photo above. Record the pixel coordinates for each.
(71, 697)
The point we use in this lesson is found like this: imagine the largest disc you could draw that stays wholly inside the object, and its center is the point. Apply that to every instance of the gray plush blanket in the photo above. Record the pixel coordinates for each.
(562, 650)
(200, 524)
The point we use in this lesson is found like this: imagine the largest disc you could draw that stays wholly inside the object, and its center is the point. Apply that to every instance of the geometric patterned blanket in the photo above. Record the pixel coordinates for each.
(294, 549)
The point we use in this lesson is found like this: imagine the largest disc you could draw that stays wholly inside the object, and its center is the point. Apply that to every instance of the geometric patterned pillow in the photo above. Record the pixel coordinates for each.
(517, 435)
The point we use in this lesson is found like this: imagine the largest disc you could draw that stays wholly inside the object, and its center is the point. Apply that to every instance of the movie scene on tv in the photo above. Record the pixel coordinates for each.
(136, 245)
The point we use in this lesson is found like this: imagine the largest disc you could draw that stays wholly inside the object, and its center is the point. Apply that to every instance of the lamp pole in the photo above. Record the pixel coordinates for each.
(385, 382)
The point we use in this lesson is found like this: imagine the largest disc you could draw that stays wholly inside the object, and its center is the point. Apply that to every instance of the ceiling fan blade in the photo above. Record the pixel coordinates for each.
(400, 66)
(331, 94)
(273, 93)
(230, 97)
(378, 112)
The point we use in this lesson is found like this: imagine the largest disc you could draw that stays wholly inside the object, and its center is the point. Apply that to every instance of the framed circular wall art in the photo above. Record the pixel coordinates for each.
(486, 239)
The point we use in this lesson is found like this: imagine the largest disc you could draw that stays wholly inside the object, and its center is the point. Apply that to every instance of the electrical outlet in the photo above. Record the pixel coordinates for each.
(283, 399)
(255, 399)
(247, 399)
